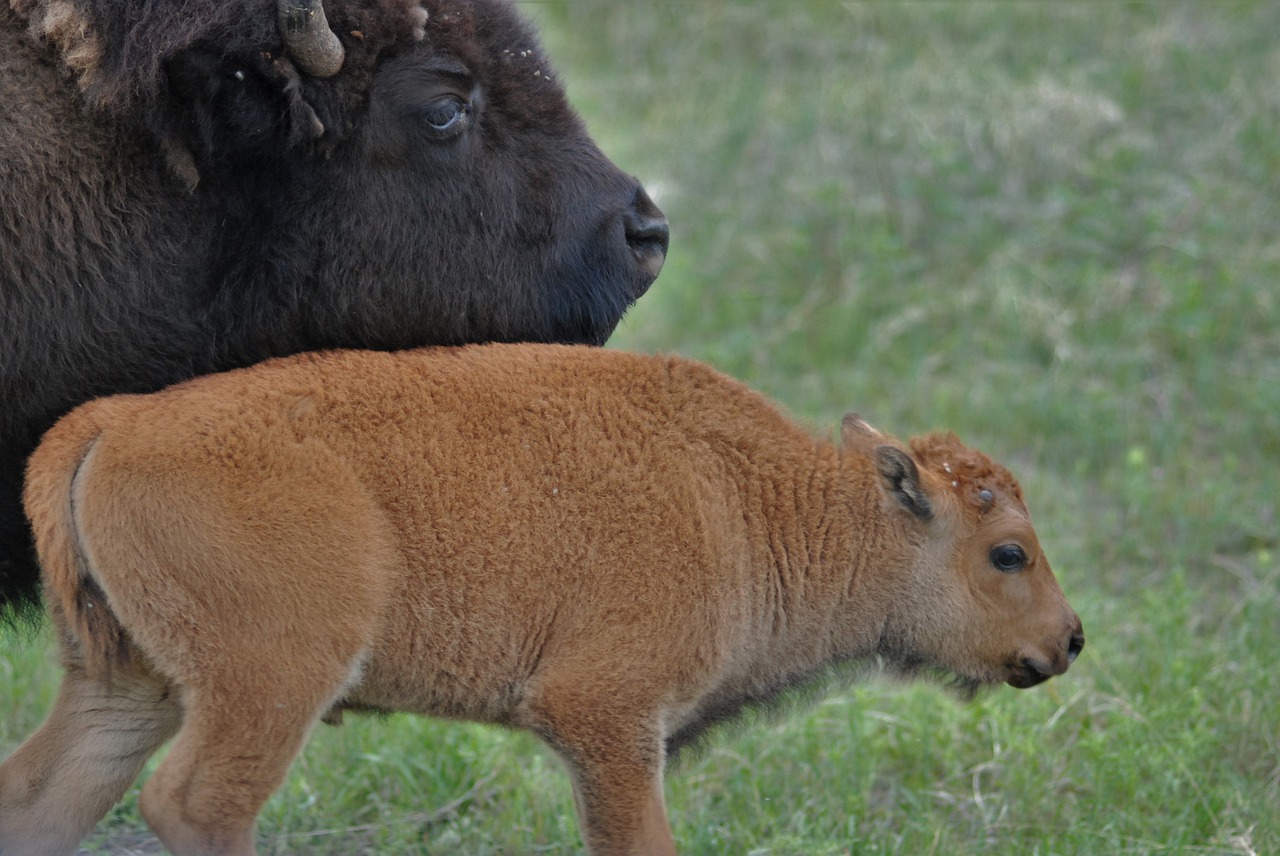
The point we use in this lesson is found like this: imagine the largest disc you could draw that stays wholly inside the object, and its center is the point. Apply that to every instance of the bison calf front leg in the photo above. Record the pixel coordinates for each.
(69, 774)
(621, 807)
(614, 751)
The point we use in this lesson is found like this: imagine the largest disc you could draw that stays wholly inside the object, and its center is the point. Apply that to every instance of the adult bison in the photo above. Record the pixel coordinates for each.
(192, 185)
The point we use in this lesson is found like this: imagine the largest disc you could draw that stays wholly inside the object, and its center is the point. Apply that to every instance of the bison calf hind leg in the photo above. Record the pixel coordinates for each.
(69, 774)
(237, 741)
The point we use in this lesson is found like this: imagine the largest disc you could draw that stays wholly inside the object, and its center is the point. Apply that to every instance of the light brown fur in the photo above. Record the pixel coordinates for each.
(610, 550)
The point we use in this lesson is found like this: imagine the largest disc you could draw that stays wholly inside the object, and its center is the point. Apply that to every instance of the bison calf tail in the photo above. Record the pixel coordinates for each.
(75, 600)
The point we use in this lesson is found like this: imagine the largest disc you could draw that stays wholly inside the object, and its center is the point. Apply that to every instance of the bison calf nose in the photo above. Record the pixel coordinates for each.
(1075, 646)
(648, 234)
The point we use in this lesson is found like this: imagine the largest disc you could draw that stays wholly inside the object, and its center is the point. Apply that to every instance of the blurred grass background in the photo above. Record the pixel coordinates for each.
(1051, 227)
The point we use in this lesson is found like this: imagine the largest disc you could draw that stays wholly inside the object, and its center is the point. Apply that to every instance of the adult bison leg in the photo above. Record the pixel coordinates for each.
(69, 774)
(614, 750)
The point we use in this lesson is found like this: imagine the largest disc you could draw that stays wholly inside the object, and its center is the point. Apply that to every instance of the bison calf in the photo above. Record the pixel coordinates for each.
(612, 551)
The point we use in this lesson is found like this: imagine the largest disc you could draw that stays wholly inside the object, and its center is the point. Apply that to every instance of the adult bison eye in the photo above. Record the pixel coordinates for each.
(1008, 558)
(447, 116)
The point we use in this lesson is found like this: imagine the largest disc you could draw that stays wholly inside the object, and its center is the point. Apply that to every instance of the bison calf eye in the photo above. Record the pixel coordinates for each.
(1008, 558)
(447, 116)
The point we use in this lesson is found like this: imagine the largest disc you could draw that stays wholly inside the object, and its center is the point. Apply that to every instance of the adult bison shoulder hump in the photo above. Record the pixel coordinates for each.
(190, 187)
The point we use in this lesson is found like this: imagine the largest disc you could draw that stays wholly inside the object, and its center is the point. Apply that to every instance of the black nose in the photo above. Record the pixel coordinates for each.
(648, 234)
(1075, 646)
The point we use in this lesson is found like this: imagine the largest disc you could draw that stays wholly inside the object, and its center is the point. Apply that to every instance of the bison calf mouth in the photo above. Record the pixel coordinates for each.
(1027, 675)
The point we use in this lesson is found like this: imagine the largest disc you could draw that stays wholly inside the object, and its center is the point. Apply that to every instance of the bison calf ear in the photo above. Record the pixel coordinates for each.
(856, 433)
(902, 479)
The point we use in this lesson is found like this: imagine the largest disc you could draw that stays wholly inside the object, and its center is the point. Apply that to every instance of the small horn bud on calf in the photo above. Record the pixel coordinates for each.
(612, 551)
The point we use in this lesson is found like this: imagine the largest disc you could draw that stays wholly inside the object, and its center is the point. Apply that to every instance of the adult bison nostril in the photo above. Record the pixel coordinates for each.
(648, 234)
(1075, 646)
(645, 234)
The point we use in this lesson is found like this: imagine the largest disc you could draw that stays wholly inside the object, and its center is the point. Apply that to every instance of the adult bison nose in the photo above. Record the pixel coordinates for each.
(648, 234)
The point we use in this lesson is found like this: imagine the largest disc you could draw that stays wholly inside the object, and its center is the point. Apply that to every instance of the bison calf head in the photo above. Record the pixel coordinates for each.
(976, 597)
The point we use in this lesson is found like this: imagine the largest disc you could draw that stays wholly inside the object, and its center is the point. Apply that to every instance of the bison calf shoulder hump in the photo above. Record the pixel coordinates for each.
(609, 550)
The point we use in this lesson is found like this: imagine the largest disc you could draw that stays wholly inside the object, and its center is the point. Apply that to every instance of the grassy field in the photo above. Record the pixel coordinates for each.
(1051, 227)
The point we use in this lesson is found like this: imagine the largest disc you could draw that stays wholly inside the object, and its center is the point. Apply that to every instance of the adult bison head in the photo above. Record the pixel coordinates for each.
(416, 168)
(458, 168)
(187, 187)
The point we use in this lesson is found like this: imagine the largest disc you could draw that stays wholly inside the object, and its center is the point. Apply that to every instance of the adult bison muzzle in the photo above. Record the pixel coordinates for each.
(189, 187)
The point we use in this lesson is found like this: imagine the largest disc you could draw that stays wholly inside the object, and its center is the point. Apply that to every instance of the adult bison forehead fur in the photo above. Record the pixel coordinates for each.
(185, 189)
(182, 66)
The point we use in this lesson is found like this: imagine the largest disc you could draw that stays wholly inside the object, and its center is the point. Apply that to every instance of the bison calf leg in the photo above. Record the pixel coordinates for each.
(69, 774)
(241, 730)
(614, 751)
(621, 808)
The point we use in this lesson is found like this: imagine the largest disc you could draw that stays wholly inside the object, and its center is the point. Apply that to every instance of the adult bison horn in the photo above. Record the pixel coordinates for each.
(307, 38)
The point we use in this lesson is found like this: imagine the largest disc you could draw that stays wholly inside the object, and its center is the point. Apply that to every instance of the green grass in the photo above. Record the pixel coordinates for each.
(1050, 227)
